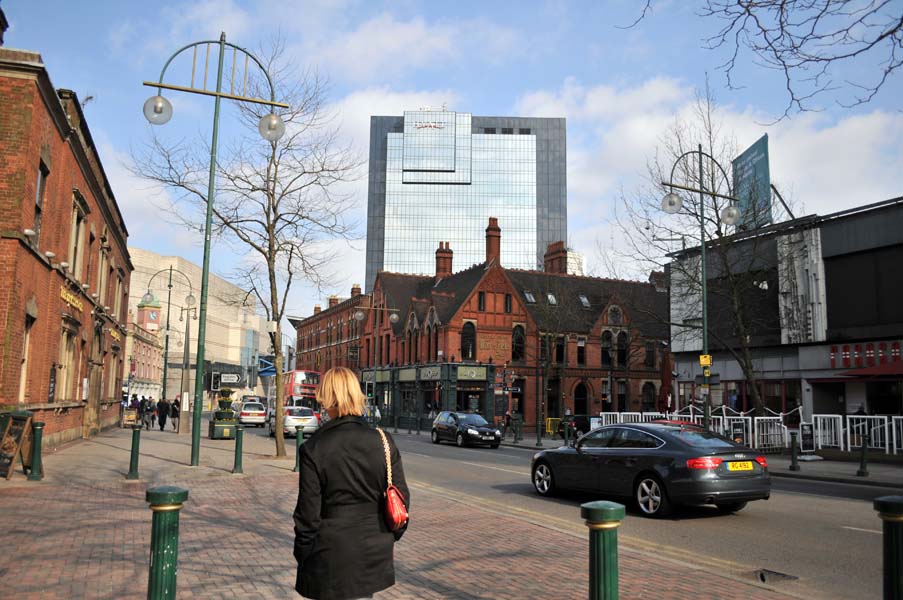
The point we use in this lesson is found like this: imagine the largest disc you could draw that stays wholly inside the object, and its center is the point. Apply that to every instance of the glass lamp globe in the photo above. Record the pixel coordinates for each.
(147, 298)
(730, 215)
(157, 110)
(189, 300)
(359, 315)
(393, 317)
(672, 203)
(271, 127)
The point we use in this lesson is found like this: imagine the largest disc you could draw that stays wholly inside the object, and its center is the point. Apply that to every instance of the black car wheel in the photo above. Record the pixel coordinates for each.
(543, 480)
(459, 440)
(651, 496)
(434, 436)
(731, 507)
(493, 446)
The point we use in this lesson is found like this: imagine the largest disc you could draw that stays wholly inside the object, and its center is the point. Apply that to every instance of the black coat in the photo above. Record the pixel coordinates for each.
(342, 544)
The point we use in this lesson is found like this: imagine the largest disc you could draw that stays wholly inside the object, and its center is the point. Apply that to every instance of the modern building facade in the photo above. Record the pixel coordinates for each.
(438, 175)
(64, 262)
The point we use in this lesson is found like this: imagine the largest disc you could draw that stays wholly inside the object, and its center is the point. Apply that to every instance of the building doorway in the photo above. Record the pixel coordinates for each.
(580, 396)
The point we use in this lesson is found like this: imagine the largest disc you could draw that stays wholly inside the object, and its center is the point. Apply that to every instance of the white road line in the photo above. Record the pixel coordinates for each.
(495, 468)
(418, 454)
(860, 529)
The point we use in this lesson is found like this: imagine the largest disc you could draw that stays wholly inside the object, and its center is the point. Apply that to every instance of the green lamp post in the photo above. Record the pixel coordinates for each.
(672, 204)
(158, 111)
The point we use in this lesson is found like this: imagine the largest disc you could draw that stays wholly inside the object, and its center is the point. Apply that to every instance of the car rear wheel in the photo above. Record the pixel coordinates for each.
(731, 507)
(651, 496)
(459, 440)
(493, 446)
(434, 436)
(543, 480)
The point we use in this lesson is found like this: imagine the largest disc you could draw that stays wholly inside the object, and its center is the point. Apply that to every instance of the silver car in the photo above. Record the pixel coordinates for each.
(252, 413)
(297, 416)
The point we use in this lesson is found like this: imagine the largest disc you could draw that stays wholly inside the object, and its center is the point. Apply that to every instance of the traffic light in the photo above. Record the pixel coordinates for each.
(368, 387)
(214, 381)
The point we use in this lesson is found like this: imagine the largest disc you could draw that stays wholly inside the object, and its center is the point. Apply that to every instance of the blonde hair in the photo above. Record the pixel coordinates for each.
(340, 388)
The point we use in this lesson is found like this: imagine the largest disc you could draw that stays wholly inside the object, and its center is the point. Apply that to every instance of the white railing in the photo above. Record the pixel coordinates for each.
(829, 432)
(630, 417)
(609, 418)
(652, 416)
(769, 434)
(896, 430)
(876, 426)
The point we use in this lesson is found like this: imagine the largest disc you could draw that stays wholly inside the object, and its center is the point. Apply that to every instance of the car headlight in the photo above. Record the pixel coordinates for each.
(473, 432)
(497, 432)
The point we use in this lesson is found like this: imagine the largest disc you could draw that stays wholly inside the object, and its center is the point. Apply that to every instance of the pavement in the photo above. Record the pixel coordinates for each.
(84, 532)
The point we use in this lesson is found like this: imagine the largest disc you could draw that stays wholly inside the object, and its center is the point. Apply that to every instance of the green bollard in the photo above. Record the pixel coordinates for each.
(603, 519)
(794, 464)
(37, 467)
(239, 435)
(863, 456)
(299, 439)
(133, 461)
(890, 509)
(165, 502)
(567, 434)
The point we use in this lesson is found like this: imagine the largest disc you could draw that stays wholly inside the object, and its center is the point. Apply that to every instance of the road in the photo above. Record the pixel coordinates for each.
(825, 536)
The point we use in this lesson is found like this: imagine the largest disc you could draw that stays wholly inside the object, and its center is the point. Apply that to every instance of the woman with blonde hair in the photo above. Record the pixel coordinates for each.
(343, 546)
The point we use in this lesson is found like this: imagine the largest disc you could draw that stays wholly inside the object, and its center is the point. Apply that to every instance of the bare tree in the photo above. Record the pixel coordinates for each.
(278, 203)
(808, 41)
(741, 265)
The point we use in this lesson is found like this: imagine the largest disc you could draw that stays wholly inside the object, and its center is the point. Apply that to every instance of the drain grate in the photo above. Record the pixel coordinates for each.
(769, 576)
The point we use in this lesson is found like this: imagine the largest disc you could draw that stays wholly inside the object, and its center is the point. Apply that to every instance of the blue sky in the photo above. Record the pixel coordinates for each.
(619, 88)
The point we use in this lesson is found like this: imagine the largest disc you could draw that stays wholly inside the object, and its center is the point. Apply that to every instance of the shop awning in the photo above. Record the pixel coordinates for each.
(891, 370)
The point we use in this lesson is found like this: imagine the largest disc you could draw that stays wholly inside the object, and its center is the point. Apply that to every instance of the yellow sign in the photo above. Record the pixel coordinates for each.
(707, 372)
(115, 335)
(705, 360)
(71, 299)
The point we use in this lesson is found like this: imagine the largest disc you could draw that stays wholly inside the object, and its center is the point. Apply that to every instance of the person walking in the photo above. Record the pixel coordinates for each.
(174, 414)
(162, 413)
(153, 411)
(148, 411)
(343, 546)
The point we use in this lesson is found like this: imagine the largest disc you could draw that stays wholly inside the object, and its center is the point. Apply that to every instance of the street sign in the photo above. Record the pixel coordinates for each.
(705, 360)
(714, 379)
(229, 378)
(512, 389)
(738, 432)
(807, 437)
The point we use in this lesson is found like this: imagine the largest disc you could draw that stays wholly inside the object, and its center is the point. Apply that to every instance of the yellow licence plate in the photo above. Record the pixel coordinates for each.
(740, 466)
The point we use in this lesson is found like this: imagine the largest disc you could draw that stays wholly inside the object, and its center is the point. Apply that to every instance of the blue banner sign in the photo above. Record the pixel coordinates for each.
(752, 185)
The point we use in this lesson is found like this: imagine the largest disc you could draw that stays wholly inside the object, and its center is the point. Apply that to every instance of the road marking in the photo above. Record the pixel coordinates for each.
(860, 529)
(418, 454)
(495, 468)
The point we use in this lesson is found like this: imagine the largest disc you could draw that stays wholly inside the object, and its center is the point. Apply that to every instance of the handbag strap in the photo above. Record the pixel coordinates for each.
(388, 457)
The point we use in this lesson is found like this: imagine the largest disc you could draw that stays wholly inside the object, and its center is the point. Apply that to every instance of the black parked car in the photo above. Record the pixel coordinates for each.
(659, 465)
(579, 425)
(464, 429)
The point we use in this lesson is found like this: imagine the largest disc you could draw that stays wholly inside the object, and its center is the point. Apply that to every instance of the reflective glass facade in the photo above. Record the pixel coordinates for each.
(439, 175)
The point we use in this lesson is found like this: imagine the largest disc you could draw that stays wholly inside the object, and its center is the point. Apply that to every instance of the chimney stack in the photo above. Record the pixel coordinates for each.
(443, 260)
(556, 258)
(355, 289)
(333, 300)
(493, 241)
(316, 309)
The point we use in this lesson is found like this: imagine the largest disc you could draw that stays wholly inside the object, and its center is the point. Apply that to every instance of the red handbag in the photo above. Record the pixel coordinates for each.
(396, 512)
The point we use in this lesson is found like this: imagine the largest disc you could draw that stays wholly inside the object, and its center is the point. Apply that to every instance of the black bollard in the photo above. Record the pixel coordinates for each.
(37, 467)
(863, 457)
(794, 465)
(133, 460)
(239, 434)
(890, 509)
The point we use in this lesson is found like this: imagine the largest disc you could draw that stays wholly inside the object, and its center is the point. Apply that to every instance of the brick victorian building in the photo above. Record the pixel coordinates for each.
(331, 337)
(64, 265)
(461, 338)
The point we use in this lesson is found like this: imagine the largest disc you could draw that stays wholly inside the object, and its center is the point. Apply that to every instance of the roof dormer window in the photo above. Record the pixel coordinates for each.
(552, 300)
(584, 300)
(528, 295)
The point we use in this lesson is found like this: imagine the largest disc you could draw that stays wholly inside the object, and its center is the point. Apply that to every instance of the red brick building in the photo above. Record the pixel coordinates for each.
(592, 344)
(331, 337)
(64, 265)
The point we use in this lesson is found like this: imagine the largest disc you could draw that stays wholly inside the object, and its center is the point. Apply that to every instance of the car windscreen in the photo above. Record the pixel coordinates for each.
(252, 406)
(472, 420)
(702, 439)
(299, 412)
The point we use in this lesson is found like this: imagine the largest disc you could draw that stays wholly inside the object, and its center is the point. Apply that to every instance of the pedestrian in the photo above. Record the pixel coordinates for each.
(174, 415)
(162, 413)
(153, 415)
(378, 414)
(343, 546)
(148, 412)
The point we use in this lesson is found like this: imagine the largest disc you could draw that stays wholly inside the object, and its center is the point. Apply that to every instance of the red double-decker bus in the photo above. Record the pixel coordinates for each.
(301, 388)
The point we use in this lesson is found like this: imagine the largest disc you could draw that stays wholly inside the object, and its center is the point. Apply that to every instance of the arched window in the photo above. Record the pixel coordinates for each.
(622, 349)
(614, 316)
(429, 343)
(606, 348)
(648, 397)
(468, 341)
(518, 343)
(436, 343)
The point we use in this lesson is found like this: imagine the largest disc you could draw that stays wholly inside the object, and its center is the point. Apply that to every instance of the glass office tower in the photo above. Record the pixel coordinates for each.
(437, 175)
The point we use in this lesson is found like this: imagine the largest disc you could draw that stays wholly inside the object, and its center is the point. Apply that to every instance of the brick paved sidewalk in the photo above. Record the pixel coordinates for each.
(91, 541)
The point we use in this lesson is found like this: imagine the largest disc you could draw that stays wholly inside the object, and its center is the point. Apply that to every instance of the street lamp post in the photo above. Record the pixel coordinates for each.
(149, 297)
(158, 111)
(672, 204)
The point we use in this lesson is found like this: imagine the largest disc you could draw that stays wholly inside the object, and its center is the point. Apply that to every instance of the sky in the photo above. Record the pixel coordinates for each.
(619, 88)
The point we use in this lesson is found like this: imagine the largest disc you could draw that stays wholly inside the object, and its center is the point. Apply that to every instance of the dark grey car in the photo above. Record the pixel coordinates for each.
(659, 466)
(464, 429)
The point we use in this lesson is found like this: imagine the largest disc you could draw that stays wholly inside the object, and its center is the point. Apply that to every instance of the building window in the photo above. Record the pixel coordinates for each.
(518, 343)
(559, 349)
(77, 242)
(606, 349)
(614, 316)
(622, 349)
(622, 396)
(584, 300)
(528, 295)
(43, 173)
(648, 397)
(524, 131)
(23, 368)
(581, 351)
(650, 354)
(508, 304)
(468, 341)
(552, 300)
(507, 130)
(489, 130)
(481, 301)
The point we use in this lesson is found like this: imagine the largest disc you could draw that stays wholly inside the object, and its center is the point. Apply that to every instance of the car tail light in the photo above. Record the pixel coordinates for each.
(704, 462)
(245, 414)
(318, 418)
(761, 460)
